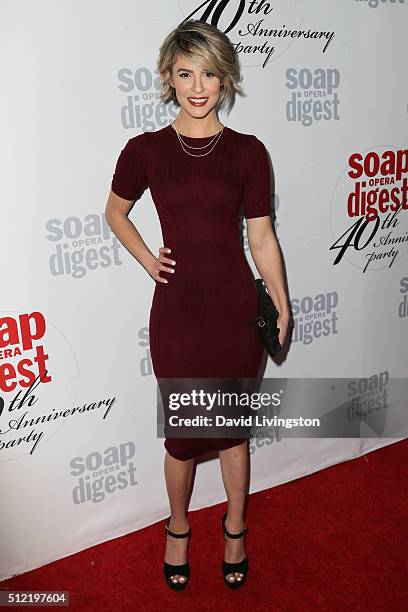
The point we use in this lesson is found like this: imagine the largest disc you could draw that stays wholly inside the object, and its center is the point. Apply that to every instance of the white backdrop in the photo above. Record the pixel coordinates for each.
(79, 458)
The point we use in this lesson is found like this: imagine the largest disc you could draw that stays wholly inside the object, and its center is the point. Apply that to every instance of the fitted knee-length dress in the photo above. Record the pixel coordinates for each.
(198, 324)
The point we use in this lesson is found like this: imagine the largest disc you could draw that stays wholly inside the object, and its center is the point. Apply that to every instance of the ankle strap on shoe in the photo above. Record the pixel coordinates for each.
(176, 535)
(233, 535)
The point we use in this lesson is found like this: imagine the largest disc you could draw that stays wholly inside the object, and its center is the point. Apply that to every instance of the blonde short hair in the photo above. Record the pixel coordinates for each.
(210, 49)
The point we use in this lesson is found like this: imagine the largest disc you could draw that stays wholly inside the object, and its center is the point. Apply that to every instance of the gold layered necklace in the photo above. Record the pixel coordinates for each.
(184, 145)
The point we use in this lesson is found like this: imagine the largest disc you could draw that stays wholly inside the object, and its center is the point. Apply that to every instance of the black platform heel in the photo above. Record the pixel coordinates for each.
(180, 570)
(241, 566)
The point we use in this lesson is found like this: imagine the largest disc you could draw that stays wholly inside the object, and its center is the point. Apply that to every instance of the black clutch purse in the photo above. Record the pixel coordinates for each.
(266, 319)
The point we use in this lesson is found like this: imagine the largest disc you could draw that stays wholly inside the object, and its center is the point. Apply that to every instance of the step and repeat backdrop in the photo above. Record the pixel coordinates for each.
(326, 91)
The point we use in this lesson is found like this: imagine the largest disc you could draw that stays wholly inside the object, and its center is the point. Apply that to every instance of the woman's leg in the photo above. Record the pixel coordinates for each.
(178, 475)
(235, 474)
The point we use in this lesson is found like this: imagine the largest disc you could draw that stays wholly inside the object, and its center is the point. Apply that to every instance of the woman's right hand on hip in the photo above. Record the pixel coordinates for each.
(159, 265)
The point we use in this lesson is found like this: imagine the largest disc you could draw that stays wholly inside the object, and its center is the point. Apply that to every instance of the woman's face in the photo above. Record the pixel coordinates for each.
(197, 90)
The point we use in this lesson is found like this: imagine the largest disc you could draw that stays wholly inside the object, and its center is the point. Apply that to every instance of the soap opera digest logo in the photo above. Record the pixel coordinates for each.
(100, 474)
(376, 3)
(314, 317)
(81, 245)
(36, 398)
(403, 305)
(368, 216)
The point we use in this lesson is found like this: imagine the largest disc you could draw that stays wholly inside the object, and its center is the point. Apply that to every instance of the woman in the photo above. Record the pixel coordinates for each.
(199, 173)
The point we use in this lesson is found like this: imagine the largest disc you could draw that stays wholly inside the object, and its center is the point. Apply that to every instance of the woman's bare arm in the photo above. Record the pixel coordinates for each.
(116, 213)
(266, 254)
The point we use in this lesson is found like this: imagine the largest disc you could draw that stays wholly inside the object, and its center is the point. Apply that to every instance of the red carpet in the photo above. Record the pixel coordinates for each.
(332, 541)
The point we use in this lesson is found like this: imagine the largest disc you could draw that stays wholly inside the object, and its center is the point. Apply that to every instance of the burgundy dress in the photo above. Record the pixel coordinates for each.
(198, 322)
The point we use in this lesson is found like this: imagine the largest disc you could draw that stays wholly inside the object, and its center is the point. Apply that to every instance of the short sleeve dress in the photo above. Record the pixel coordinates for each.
(199, 319)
